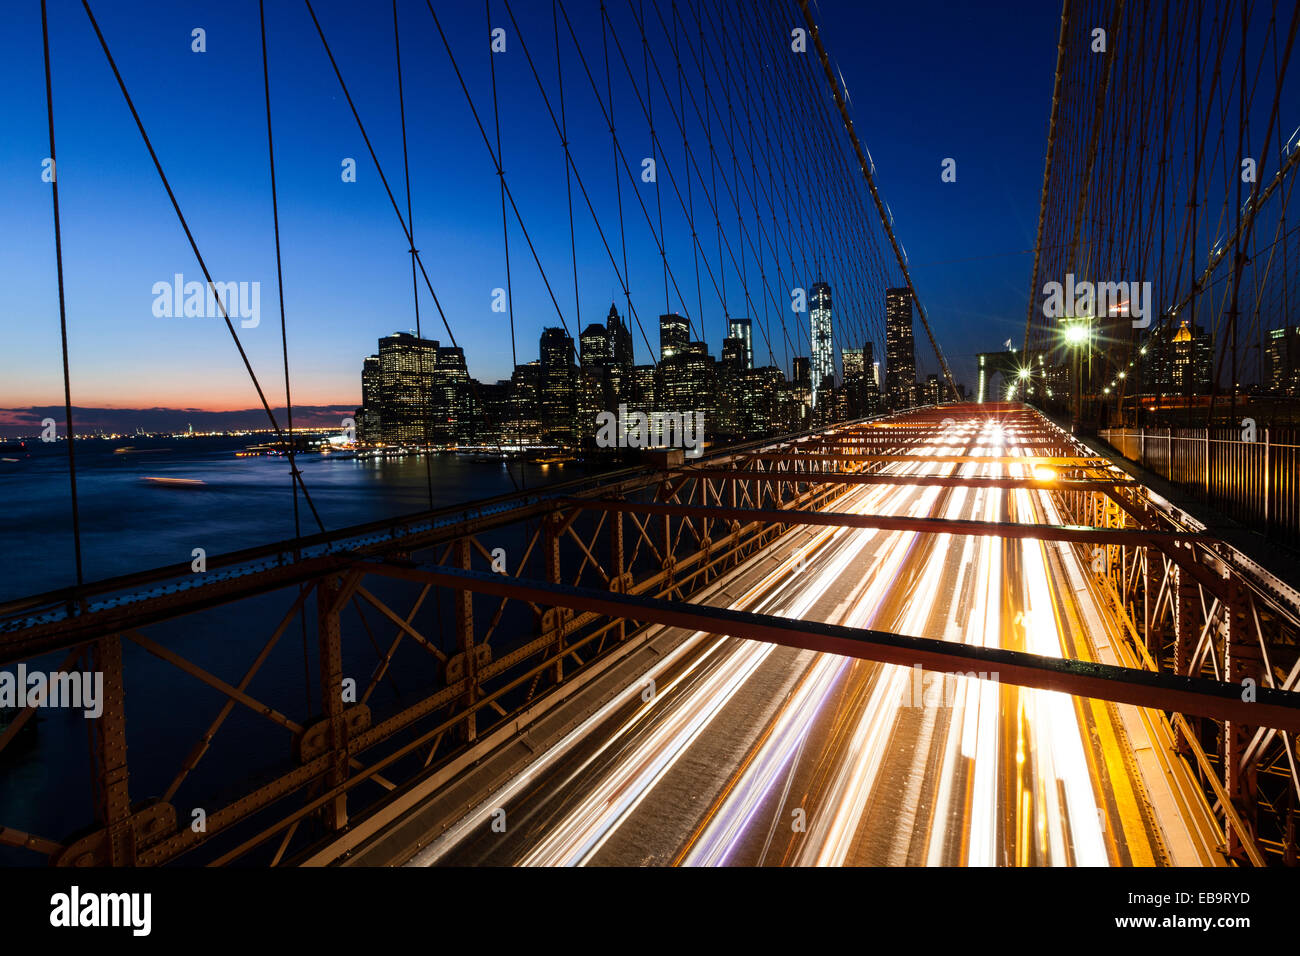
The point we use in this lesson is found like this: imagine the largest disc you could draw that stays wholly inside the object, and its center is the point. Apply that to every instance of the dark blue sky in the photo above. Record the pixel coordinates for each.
(928, 80)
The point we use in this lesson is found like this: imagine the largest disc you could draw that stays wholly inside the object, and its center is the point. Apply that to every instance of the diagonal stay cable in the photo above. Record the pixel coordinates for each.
(902, 262)
(275, 424)
(469, 100)
(415, 284)
(737, 264)
(501, 177)
(63, 313)
(561, 130)
(406, 230)
(284, 340)
(607, 116)
(279, 272)
(347, 95)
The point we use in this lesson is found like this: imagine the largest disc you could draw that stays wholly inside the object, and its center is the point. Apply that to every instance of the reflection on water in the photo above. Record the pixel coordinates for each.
(202, 496)
(145, 503)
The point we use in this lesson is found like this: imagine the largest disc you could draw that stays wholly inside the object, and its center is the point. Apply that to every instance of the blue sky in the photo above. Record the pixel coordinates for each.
(926, 81)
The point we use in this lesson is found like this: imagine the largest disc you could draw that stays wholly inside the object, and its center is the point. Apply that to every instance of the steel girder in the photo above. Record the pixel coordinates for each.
(587, 572)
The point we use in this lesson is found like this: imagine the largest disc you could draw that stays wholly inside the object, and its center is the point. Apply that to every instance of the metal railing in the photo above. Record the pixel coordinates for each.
(1251, 475)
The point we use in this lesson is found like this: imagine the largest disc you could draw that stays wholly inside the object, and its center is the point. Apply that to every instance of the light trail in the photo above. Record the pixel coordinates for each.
(584, 830)
(972, 772)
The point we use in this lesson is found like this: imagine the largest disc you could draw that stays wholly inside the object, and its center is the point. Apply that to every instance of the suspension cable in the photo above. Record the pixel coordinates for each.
(63, 312)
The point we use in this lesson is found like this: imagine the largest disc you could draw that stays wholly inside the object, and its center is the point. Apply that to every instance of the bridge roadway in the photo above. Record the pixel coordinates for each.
(730, 752)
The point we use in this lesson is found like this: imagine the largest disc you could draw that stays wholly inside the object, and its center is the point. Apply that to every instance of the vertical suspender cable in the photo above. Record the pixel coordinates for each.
(871, 184)
(284, 341)
(618, 184)
(279, 273)
(654, 159)
(505, 225)
(501, 178)
(63, 313)
(568, 162)
(194, 246)
(415, 285)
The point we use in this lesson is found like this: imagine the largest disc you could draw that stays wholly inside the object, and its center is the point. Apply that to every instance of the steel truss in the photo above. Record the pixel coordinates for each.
(465, 618)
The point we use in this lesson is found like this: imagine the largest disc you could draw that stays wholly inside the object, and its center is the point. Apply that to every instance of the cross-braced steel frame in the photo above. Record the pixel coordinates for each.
(433, 631)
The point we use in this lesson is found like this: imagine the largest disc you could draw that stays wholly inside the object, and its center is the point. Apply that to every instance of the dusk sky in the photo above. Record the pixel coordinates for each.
(927, 81)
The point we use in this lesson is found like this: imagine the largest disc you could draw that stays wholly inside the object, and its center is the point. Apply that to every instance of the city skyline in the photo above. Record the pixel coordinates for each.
(441, 435)
(344, 287)
(416, 391)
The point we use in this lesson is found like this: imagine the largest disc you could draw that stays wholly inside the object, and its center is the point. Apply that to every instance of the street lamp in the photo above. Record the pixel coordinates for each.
(1078, 333)
(1023, 375)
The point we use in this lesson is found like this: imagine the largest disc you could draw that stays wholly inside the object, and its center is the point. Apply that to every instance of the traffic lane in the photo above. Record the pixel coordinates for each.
(777, 796)
(533, 811)
(812, 595)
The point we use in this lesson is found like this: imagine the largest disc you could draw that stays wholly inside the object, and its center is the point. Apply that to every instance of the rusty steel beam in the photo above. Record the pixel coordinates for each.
(1187, 695)
(877, 478)
(868, 171)
(924, 436)
(184, 593)
(1030, 460)
(1077, 534)
(331, 594)
(108, 757)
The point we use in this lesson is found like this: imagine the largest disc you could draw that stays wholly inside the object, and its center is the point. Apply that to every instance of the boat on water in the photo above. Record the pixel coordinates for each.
(299, 444)
(175, 482)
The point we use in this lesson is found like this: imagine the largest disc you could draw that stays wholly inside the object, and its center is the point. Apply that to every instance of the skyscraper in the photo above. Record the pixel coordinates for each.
(743, 329)
(852, 362)
(733, 355)
(618, 362)
(370, 370)
(453, 421)
(684, 383)
(823, 353)
(1181, 360)
(620, 340)
(369, 426)
(674, 334)
(414, 391)
(593, 346)
(558, 387)
(854, 391)
(407, 366)
(525, 424)
(900, 353)
(802, 371)
(593, 378)
(1282, 360)
(932, 390)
